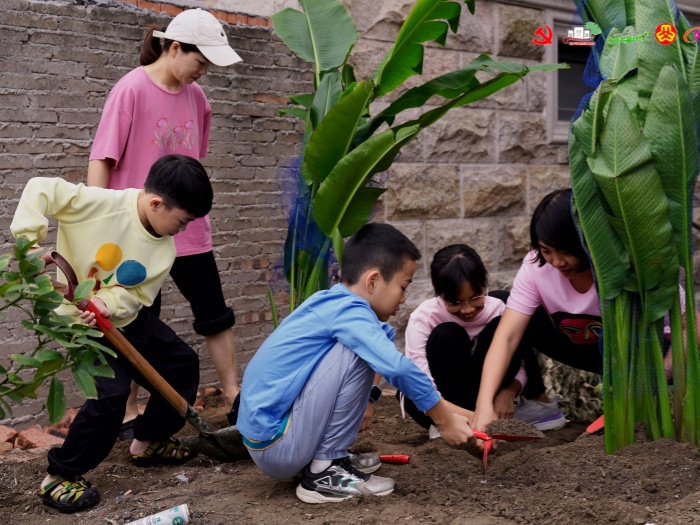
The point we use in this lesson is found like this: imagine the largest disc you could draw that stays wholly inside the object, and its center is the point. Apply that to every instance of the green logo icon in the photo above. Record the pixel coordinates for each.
(593, 28)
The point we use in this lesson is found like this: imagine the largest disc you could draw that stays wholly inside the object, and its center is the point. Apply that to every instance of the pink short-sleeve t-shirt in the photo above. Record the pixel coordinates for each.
(141, 122)
(575, 314)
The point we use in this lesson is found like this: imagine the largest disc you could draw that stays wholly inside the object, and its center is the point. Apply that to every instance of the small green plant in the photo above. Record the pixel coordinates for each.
(61, 344)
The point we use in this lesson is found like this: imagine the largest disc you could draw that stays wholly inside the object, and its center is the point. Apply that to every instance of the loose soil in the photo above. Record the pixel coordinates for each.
(564, 478)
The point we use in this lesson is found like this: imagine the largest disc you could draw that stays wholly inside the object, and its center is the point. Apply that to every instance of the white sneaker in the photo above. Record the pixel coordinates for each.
(339, 482)
(433, 432)
(543, 416)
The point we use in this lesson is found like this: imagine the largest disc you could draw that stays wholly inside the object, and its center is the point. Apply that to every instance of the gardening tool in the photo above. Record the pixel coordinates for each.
(596, 425)
(223, 445)
(398, 459)
(488, 441)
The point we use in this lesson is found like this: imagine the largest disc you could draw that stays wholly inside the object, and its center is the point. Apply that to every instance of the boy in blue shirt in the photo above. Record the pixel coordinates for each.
(305, 391)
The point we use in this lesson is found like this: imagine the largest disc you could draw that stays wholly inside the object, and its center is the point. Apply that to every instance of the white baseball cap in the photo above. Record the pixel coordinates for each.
(203, 30)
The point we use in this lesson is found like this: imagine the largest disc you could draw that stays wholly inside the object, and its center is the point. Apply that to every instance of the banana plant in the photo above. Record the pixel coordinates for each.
(343, 149)
(633, 156)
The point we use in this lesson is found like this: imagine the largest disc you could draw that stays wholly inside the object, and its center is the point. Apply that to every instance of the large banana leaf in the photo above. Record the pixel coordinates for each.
(333, 137)
(670, 131)
(323, 33)
(652, 55)
(617, 60)
(427, 21)
(608, 253)
(691, 57)
(338, 190)
(624, 171)
(450, 85)
(606, 13)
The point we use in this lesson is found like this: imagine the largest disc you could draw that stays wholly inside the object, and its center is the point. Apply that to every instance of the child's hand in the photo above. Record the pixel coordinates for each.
(504, 404)
(455, 430)
(482, 419)
(88, 317)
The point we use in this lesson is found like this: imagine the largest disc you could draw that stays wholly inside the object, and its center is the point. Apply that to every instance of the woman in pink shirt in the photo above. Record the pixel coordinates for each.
(553, 305)
(155, 110)
(448, 337)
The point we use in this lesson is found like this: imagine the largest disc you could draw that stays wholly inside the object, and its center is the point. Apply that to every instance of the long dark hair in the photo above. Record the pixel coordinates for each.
(152, 49)
(553, 224)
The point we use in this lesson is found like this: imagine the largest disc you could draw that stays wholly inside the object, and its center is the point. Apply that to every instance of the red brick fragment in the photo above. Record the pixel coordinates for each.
(35, 437)
(5, 447)
(7, 434)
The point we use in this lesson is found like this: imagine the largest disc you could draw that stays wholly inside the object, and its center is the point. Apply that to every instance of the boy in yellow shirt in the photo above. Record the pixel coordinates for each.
(122, 239)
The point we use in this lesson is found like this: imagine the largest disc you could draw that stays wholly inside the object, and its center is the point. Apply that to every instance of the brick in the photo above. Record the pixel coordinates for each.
(28, 19)
(171, 10)
(35, 437)
(152, 6)
(7, 434)
(5, 447)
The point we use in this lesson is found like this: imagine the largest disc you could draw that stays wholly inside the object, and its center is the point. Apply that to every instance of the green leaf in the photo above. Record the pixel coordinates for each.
(609, 255)
(25, 360)
(653, 56)
(350, 174)
(670, 131)
(359, 210)
(323, 33)
(56, 401)
(85, 382)
(83, 290)
(624, 171)
(48, 355)
(617, 60)
(333, 137)
(427, 21)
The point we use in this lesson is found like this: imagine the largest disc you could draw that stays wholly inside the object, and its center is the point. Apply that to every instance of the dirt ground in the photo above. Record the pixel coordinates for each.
(565, 478)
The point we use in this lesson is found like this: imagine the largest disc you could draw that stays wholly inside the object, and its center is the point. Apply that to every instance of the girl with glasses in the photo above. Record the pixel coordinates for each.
(448, 336)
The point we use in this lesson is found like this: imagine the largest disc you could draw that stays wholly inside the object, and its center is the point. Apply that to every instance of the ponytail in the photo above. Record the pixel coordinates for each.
(151, 50)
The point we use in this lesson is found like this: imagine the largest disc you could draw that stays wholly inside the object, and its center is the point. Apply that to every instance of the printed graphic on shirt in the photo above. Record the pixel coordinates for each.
(108, 258)
(170, 137)
(582, 329)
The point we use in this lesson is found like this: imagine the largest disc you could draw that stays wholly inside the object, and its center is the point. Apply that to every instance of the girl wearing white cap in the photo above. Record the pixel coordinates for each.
(155, 110)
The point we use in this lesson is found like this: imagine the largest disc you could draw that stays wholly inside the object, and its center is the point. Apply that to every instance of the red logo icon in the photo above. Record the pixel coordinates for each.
(545, 33)
(692, 35)
(666, 34)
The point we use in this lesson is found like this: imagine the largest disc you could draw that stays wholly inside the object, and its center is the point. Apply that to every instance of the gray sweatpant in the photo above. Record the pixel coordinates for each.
(325, 418)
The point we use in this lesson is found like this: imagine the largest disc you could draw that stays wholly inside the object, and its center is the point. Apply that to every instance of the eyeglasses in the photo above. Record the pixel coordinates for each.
(475, 302)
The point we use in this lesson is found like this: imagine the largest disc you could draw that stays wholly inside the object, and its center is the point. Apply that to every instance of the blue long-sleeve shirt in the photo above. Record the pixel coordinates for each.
(283, 364)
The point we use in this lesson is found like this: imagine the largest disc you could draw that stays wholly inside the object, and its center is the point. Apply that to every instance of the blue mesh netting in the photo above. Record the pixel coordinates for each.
(302, 231)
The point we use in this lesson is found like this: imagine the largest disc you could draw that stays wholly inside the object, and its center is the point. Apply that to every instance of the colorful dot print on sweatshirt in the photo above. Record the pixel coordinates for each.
(126, 273)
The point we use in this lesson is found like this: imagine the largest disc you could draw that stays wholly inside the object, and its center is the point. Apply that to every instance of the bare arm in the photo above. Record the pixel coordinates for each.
(98, 172)
(508, 335)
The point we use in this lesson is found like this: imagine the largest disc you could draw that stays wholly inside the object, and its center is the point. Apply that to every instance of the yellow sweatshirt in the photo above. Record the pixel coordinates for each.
(101, 236)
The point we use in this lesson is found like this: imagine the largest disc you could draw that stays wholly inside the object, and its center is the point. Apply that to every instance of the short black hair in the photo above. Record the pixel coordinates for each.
(376, 245)
(181, 182)
(454, 265)
(553, 224)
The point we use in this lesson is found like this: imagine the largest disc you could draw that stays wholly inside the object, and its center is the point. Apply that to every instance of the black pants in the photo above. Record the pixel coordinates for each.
(457, 371)
(197, 278)
(96, 426)
(543, 336)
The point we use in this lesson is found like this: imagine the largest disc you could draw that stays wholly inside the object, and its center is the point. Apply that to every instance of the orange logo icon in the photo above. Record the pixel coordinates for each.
(666, 34)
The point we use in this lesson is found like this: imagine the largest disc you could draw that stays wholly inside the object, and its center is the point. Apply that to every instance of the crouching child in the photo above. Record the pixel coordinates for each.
(122, 239)
(305, 391)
